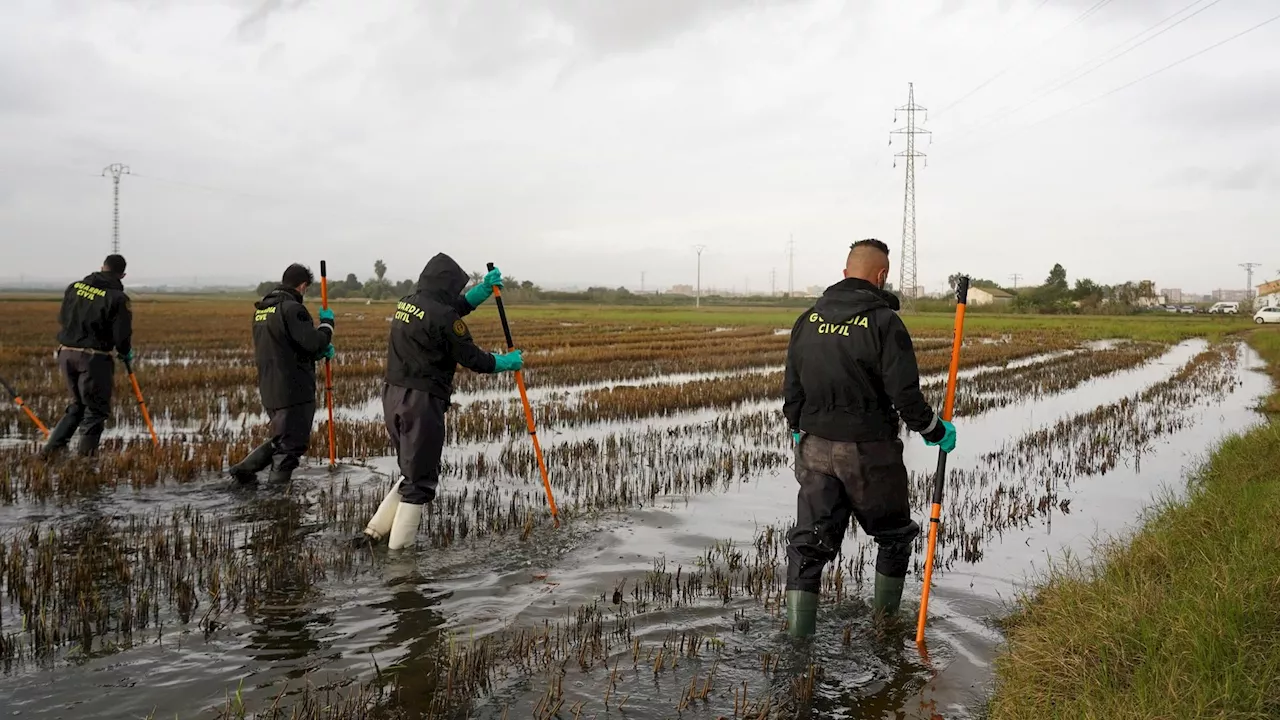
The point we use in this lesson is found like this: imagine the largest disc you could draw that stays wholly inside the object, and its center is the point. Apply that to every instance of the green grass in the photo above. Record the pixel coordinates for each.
(1181, 621)
(1266, 341)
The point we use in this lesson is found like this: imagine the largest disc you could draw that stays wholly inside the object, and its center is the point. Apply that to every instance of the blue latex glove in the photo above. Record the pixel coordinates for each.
(329, 352)
(508, 362)
(948, 441)
(481, 292)
(795, 437)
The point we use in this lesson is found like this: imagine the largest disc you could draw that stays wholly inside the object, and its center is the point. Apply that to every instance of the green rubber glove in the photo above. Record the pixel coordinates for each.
(481, 292)
(948, 441)
(795, 436)
(329, 353)
(508, 362)
(327, 318)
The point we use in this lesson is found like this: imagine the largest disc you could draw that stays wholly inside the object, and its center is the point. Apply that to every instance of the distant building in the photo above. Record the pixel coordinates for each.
(683, 290)
(1221, 295)
(988, 296)
(814, 291)
(1172, 296)
(1268, 294)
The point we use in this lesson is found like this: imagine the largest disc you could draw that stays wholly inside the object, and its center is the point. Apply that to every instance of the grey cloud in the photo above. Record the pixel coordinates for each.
(251, 25)
(1256, 175)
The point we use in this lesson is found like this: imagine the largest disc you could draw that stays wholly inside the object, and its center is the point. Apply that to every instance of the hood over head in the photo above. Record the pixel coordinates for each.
(853, 296)
(277, 296)
(442, 278)
(104, 280)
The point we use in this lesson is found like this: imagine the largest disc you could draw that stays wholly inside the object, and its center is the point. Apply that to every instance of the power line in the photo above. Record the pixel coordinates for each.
(115, 171)
(1248, 288)
(1144, 78)
(907, 268)
(1016, 277)
(1083, 70)
(1017, 61)
(698, 249)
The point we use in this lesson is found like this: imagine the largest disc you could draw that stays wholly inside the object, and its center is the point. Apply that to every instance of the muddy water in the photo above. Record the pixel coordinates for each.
(401, 610)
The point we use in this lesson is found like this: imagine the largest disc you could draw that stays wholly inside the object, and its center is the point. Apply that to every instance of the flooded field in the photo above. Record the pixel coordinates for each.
(142, 586)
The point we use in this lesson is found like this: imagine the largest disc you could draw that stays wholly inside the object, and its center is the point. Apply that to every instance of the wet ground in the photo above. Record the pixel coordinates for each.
(659, 636)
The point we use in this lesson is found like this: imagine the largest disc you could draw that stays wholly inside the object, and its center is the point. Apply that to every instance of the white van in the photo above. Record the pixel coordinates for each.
(1231, 308)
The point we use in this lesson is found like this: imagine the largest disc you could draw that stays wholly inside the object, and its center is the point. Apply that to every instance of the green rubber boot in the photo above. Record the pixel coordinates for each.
(802, 613)
(888, 595)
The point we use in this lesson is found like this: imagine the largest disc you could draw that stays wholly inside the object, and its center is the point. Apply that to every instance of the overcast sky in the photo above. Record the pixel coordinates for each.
(587, 141)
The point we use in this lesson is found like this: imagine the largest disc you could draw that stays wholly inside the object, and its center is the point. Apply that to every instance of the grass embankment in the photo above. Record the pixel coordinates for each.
(1182, 621)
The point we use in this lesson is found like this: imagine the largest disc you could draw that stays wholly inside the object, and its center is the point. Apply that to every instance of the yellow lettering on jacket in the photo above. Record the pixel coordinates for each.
(827, 328)
(406, 312)
(89, 292)
(262, 315)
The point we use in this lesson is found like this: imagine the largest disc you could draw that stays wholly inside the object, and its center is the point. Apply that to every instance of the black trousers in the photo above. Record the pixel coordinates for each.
(415, 424)
(867, 480)
(88, 377)
(290, 434)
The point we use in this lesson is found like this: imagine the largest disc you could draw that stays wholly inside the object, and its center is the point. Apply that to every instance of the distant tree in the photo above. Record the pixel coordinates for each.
(476, 278)
(405, 287)
(353, 284)
(265, 287)
(528, 286)
(1057, 280)
(379, 269)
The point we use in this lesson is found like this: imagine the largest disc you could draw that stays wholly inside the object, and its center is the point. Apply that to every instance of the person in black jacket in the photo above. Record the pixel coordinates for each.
(96, 319)
(286, 346)
(428, 341)
(851, 378)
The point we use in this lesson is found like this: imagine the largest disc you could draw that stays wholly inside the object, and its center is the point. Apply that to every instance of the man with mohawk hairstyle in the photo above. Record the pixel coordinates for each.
(851, 378)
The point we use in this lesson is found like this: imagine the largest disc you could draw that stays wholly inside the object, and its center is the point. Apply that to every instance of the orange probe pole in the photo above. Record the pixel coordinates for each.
(17, 399)
(328, 368)
(137, 392)
(962, 298)
(528, 411)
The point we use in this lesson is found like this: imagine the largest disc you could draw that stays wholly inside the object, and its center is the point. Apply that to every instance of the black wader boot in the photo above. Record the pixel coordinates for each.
(246, 471)
(63, 432)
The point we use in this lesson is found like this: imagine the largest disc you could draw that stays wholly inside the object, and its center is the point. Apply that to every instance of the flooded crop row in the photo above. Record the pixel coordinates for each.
(142, 580)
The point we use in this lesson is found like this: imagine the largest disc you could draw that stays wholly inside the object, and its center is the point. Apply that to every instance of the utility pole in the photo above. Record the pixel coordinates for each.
(907, 265)
(698, 298)
(791, 265)
(1016, 277)
(1248, 288)
(642, 282)
(773, 282)
(115, 171)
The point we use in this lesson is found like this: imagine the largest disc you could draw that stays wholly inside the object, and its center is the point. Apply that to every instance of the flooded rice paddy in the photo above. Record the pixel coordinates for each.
(140, 585)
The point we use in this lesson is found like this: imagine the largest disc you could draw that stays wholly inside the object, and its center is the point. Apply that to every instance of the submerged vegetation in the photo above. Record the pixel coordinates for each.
(147, 547)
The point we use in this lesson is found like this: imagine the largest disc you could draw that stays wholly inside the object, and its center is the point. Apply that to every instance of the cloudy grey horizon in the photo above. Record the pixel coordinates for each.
(582, 143)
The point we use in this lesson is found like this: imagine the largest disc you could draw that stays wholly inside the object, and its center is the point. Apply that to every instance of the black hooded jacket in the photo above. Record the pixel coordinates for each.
(96, 315)
(428, 337)
(851, 369)
(286, 346)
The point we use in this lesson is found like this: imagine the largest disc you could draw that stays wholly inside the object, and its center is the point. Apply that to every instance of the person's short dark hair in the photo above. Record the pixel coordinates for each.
(296, 274)
(114, 264)
(871, 242)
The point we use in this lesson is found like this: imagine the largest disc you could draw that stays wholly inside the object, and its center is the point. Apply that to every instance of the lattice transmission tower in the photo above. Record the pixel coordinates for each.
(908, 288)
(115, 171)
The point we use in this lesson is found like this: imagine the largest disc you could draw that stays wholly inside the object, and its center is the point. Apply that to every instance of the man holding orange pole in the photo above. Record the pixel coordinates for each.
(95, 319)
(851, 380)
(286, 346)
(428, 341)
